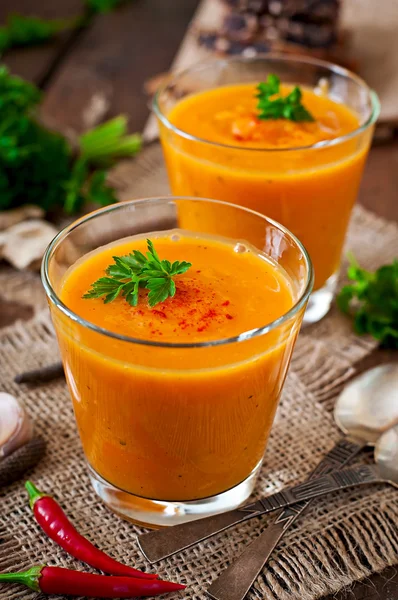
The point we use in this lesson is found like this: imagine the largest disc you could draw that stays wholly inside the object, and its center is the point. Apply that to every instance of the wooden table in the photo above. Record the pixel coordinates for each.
(111, 61)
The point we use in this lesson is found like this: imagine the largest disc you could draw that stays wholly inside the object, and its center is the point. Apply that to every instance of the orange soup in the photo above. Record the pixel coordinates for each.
(283, 169)
(176, 423)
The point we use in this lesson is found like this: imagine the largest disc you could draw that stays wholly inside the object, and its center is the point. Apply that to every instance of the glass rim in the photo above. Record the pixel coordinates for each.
(54, 298)
(375, 103)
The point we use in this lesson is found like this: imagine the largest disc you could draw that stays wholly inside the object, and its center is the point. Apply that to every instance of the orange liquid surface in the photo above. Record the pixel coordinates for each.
(172, 423)
(311, 191)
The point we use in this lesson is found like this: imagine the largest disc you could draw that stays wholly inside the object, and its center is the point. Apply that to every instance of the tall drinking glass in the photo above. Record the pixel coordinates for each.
(173, 431)
(310, 189)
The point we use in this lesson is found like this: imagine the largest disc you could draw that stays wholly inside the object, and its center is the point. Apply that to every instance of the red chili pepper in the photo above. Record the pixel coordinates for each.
(55, 580)
(57, 526)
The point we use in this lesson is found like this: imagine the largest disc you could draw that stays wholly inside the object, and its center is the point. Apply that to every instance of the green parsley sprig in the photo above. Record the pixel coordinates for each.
(372, 300)
(20, 30)
(288, 107)
(135, 271)
(103, 6)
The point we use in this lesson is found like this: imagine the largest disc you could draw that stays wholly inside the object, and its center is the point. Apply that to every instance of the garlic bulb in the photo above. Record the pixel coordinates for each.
(15, 427)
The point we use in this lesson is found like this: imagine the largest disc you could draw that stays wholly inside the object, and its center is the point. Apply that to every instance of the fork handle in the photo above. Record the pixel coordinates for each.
(159, 544)
(239, 577)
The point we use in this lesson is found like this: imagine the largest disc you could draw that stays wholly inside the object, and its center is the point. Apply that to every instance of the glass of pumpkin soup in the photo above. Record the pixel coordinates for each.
(176, 331)
(285, 137)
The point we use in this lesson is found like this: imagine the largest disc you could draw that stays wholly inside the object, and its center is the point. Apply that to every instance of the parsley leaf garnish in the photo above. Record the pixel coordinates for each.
(372, 300)
(287, 107)
(135, 271)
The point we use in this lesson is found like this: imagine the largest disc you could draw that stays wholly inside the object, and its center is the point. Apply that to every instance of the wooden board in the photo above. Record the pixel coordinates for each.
(108, 66)
(372, 42)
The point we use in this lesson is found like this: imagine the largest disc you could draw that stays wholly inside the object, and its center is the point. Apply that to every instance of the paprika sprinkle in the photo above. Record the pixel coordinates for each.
(57, 526)
(56, 580)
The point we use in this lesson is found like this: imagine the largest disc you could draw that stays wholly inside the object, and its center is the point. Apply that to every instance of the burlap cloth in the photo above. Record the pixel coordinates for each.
(343, 538)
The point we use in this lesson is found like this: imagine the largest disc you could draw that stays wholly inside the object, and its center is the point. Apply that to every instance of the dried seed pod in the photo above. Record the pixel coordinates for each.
(16, 429)
(42, 374)
(240, 27)
(221, 45)
(312, 35)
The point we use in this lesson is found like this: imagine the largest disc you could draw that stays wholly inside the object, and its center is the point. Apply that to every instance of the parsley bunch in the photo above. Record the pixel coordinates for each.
(38, 166)
(372, 300)
(288, 107)
(136, 270)
(33, 161)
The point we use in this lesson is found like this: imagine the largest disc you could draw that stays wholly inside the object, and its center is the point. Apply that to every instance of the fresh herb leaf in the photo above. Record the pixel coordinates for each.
(103, 6)
(288, 107)
(98, 191)
(104, 144)
(159, 290)
(136, 270)
(20, 30)
(270, 87)
(16, 96)
(35, 163)
(74, 199)
(372, 300)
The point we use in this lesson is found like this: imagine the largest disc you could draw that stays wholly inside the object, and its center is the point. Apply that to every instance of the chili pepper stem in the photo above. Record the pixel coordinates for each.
(34, 493)
(54, 522)
(29, 578)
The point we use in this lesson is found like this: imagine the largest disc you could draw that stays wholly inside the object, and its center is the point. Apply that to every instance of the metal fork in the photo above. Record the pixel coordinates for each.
(236, 580)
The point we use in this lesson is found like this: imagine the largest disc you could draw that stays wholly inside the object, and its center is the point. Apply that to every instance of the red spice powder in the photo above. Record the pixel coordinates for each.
(206, 319)
(159, 313)
(193, 308)
(211, 314)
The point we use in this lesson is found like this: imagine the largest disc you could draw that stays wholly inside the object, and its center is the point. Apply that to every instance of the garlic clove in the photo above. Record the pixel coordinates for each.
(8, 218)
(15, 427)
(23, 245)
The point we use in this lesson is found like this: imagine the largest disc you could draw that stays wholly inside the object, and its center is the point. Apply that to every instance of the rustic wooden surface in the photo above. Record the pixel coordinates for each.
(101, 71)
